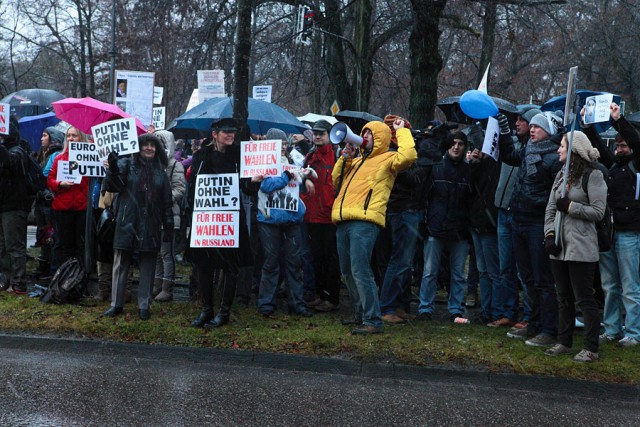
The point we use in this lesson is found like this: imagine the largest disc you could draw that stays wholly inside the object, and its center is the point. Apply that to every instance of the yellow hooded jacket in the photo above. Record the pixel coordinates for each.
(367, 181)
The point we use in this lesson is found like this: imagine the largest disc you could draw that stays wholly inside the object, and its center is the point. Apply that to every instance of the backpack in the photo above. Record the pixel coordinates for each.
(67, 285)
(32, 172)
(604, 228)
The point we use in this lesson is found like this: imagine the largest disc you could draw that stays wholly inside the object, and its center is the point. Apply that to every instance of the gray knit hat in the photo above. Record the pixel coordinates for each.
(548, 121)
(583, 148)
(530, 114)
(274, 133)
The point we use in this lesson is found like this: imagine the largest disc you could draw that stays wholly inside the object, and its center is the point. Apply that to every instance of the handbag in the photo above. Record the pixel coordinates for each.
(106, 226)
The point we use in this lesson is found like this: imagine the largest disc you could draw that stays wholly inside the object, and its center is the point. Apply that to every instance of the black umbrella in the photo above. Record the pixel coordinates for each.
(356, 119)
(31, 102)
(451, 108)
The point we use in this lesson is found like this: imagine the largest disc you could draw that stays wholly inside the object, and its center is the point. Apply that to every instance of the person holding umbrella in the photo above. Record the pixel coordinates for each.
(143, 210)
(574, 258)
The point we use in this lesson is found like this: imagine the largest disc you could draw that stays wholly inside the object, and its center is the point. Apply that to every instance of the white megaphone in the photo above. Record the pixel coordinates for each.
(340, 133)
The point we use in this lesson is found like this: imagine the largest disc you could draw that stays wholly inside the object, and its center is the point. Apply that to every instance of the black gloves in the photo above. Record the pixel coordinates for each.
(562, 204)
(504, 124)
(112, 159)
(550, 245)
(167, 235)
(289, 175)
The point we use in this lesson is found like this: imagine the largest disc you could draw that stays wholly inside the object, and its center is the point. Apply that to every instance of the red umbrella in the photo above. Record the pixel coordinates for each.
(84, 113)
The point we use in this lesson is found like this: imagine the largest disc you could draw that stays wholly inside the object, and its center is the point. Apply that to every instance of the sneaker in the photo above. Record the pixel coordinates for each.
(326, 306)
(605, 338)
(586, 356)
(627, 342)
(541, 340)
(470, 301)
(520, 334)
(504, 322)
(459, 318)
(20, 289)
(366, 330)
(557, 350)
(424, 316)
(521, 325)
(393, 318)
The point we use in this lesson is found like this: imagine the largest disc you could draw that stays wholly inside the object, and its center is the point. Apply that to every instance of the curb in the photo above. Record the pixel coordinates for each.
(326, 365)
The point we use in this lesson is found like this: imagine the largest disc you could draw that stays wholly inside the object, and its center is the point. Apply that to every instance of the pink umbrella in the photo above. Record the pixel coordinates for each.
(84, 113)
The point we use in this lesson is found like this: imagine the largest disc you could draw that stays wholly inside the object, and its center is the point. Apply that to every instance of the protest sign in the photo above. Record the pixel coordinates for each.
(217, 192)
(262, 93)
(210, 84)
(286, 198)
(596, 108)
(158, 118)
(297, 157)
(117, 135)
(134, 94)
(85, 155)
(5, 112)
(260, 158)
(491, 136)
(158, 92)
(215, 229)
(68, 171)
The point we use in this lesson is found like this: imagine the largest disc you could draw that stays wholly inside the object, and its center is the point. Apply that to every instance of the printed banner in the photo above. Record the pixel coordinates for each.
(217, 192)
(5, 113)
(120, 136)
(158, 118)
(68, 171)
(286, 198)
(134, 94)
(491, 139)
(260, 158)
(596, 108)
(86, 157)
(215, 229)
(210, 84)
(158, 92)
(262, 93)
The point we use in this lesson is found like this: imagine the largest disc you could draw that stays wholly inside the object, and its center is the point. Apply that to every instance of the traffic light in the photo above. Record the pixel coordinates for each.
(305, 25)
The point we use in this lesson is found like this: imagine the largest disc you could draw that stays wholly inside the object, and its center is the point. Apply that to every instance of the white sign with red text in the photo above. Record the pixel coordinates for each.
(260, 158)
(5, 112)
(215, 229)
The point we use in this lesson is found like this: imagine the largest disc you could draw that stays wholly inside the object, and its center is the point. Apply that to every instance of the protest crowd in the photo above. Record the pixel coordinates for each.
(513, 231)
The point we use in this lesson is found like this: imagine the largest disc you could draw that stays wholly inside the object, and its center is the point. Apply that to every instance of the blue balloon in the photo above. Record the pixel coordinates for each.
(477, 105)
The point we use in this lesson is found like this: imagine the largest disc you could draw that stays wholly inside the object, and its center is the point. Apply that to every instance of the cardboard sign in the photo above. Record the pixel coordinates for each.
(158, 118)
(596, 108)
(260, 158)
(120, 136)
(5, 112)
(134, 94)
(287, 198)
(68, 171)
(491, 139)
(217, 192)
(85, 155)
(215, 229)
(262, 93)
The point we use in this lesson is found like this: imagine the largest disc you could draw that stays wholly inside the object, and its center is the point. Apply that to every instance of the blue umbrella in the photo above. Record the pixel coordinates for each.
(31, 127)
(196, 123)
(557, 104)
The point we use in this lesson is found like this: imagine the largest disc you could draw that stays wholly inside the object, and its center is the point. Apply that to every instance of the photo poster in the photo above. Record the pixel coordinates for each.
(68, 171)
(134, 94)
(262, 93)
(596, 108)
(287, 198)
(260, 158)
(210, 84)
(86, 159)
(215, 229)
(491, 145)
(217, 192)
(5, 113)
(120, 136)
(159, 117)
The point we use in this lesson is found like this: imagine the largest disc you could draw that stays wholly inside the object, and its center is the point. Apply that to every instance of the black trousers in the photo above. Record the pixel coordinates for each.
(574, 285)
(324, 250)
(69, 237)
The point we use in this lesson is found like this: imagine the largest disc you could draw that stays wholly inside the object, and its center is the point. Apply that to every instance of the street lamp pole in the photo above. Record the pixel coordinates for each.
(112, 54)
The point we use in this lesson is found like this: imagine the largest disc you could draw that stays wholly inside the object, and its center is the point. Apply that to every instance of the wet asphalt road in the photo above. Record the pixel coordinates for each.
(49, 382)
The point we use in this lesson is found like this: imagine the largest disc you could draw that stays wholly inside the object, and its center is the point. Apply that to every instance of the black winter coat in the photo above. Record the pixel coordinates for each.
(142, 209)
(485, 175)
(13, 187)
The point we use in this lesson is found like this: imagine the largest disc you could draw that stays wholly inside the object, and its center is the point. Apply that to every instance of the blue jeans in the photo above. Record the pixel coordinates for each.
(535, 270)
(355, 240)
(404, 236)
(620, 276)
(277, 240)
(506, 296)
(458, 253)
(487, 261)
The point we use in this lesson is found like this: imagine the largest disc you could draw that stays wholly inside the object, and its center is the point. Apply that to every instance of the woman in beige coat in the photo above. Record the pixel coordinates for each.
(574, 258)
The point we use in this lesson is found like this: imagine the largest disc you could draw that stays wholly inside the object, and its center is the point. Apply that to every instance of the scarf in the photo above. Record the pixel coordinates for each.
(534, 151)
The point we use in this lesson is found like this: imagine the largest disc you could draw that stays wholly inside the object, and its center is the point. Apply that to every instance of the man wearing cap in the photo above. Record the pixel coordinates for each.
(15, 204)
(322, 232)
(220, 155)
(539, 165)
(506, 298)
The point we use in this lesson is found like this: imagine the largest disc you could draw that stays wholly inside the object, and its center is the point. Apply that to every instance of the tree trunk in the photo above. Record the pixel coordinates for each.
(242, 58)
(488, 39)
(426, 61)
(340, 88)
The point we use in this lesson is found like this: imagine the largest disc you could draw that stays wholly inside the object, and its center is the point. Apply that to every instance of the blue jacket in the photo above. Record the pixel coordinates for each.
(269, 187)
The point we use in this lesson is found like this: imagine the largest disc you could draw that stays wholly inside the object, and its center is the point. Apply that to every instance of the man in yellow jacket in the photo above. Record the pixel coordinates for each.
(364, 184)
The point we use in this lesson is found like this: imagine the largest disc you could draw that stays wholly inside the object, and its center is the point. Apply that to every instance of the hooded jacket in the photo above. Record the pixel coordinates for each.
(319, 204)
(365, 182)
(175, 173)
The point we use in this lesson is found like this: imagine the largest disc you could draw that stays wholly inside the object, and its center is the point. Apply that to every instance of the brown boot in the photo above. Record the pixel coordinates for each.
(166, 295)
(157, 286)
